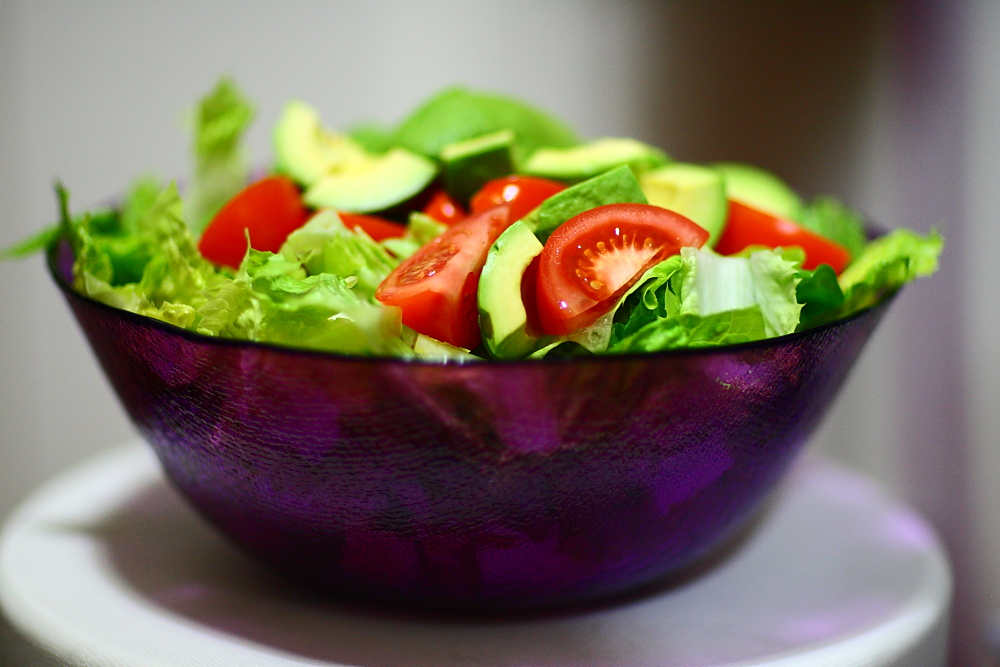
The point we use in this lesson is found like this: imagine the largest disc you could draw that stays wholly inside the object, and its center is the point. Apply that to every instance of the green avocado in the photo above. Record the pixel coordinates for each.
(373, 183)
(306, 151)
(618, 186)
(579, 163)
(502, 316)
(760, 189)
(432, 349)
(698, 193)
(470, 164)
(457, 114)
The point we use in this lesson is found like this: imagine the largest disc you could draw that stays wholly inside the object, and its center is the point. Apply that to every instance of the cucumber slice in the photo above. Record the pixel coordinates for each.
(468, 165)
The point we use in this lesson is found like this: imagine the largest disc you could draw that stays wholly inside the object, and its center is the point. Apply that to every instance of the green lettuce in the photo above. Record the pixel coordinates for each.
(325, 245)
(886, 264)
(221, 165)
(820, 295)
(322, 312)
(699, 299)
(829, 218)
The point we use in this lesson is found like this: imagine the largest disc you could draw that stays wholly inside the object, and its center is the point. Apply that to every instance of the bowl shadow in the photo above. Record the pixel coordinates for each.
(172, 558)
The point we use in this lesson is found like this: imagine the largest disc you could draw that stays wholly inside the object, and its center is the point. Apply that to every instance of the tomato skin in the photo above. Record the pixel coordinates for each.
(269, 210)
(592, 259)
(444, 209)
(436, 287)
(377, 228)
(747, 226)
(522, 193)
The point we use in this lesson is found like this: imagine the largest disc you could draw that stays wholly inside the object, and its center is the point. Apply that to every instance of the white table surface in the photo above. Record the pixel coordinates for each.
(105, 566)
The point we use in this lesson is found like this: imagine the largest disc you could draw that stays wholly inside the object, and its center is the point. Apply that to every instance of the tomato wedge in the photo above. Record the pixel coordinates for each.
(269, 210)
(592, 259)
(444, 209)
(436, 287)
(747, 226)
(522, 193)
(376, 227)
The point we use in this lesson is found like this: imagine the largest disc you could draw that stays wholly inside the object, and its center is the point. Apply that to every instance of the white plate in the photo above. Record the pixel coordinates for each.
(106, 566)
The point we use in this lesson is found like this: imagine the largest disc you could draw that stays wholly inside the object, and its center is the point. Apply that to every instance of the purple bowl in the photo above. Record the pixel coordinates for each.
(491, 485)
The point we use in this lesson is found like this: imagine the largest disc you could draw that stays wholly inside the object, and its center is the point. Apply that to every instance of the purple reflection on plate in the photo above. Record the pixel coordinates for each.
(489, 485)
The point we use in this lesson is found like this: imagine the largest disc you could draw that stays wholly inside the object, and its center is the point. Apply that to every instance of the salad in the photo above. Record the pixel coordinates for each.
(478, 228)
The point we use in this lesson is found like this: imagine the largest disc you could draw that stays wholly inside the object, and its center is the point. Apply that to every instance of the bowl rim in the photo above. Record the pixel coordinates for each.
(70, 292)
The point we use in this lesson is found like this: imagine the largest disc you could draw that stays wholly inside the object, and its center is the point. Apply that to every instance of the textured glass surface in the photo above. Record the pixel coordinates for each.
(485, 485)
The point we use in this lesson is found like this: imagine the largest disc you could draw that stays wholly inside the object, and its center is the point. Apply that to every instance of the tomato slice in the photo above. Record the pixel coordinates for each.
(747, 226)
(269, 210)
(376, 227)
(444, 209)
(592, 259)
(436, 287)
(522, 193)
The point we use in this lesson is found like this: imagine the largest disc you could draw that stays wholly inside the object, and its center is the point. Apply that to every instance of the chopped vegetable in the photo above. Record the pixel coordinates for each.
(590, 267)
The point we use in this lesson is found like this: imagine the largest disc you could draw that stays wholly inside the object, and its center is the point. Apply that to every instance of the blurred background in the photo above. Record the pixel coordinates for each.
(894, 106)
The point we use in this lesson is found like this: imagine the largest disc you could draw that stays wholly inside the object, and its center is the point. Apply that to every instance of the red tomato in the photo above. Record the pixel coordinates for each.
(269, 209)
(375, 227)
(444, 209)
(747, 226)
(592, 259)
(523, 193)
(436, 287)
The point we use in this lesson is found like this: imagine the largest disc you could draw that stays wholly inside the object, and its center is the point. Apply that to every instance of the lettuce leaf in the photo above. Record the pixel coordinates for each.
(820, 296)
(172, 275)
(221, 165)
(325, 245)
(690, 330)
(886, 264)
(322, 312)
(712, 284)
(33, 244)
(699, 299)
(829, 218)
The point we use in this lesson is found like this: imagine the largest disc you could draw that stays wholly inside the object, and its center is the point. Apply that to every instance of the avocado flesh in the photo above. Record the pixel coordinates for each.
(374, 183)
(618, 186)
(503, 319)
(470, 164)
(698, 193)
(760, 189)
(305, 150)
(579, 163)
(432, 349)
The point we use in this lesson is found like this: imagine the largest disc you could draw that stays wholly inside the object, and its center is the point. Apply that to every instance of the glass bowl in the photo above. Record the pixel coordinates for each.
(487, 485)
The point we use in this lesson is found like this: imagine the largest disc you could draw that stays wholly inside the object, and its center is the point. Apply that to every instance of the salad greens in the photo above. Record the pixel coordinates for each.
(320, 289)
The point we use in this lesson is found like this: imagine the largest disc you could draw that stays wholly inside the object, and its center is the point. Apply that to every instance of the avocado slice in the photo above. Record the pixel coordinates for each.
(470, 164)
(306, 151)
(457, 114)
(432, 349)
(579, 163)
(618, 186)
(502, 316)
(374, 183)
(760, 189)
(698, 193)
